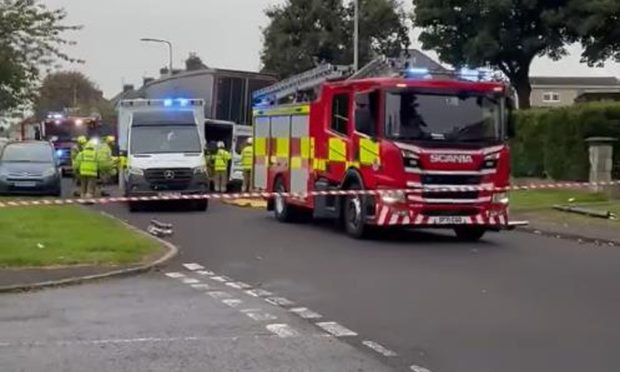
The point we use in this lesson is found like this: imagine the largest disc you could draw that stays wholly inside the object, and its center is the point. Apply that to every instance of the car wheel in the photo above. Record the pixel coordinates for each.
(469, 234)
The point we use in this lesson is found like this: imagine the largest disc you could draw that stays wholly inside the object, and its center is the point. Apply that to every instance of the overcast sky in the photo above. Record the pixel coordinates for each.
(224, 33)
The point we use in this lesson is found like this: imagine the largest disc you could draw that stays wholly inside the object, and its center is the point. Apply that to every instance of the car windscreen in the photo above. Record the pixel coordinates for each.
(31, 153)
(466, 117)
(162, 139)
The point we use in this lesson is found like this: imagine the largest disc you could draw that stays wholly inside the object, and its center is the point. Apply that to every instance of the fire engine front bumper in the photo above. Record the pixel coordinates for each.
(491, 216)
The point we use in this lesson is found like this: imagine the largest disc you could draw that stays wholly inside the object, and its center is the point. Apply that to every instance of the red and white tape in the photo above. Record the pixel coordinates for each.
(266, 195)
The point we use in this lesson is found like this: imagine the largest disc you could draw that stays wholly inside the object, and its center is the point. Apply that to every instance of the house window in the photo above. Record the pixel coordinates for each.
(340, 113)
(551, 97)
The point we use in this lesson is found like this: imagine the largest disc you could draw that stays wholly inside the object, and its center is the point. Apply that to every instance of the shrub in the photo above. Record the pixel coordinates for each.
(552, 142)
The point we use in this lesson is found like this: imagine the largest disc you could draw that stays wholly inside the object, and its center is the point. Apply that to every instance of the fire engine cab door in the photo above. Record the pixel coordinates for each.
(261, 151)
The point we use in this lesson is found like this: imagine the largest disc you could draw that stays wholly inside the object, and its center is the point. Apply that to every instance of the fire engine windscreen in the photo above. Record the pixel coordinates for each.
(463, 117)
(65, 130)
(157, 133)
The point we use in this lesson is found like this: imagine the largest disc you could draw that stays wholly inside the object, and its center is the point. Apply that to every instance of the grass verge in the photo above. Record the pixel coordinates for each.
(533, 200)
(66, 236)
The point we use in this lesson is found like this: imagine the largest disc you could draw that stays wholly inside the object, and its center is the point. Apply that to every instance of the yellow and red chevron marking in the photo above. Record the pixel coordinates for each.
(266, 195)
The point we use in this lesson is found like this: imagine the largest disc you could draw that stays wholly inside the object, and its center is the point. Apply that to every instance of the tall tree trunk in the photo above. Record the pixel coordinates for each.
(521, 81)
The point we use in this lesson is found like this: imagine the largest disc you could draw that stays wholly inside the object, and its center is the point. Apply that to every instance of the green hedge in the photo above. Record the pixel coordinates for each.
(551, 142)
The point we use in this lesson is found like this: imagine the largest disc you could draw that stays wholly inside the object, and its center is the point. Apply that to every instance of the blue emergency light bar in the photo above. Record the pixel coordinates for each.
(168, 102)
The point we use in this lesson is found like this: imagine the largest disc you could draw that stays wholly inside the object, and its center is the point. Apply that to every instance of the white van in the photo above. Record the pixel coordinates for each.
(163, 142)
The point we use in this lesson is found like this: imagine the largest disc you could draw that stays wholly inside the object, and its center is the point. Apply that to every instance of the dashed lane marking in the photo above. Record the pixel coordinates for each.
(219, 295)
(221, 279)
(259, 293)
(415, 368)
(193, 266)
(379, 348)
(238, 285)
(201, 286)
(306, 313)
(175, 275)
(259, 315)
(282, 330)
(190, 281)
(205, 272)
(232, 302)
(336, 329)
(280, 301)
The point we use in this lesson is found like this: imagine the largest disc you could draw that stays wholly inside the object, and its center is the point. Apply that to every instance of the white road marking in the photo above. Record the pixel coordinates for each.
(175, 275)
(205, 272)
(379, 348)
(306, 313)
(190, 281)
(219, 295)
(258, 293)
(221, 279)
(260, 316)
(282, 330)
(415, 368)
(193, 266)
(336, 329)
(238, 285)
(232, 302)
(280, 301)
(201, 286)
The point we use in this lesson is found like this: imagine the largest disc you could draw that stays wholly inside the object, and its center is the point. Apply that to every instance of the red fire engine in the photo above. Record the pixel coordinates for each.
(435, 144)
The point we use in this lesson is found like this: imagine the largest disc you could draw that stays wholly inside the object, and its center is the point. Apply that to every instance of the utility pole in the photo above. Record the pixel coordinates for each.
(356, 32)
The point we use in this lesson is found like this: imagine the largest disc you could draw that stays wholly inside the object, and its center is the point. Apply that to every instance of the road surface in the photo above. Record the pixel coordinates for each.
(514, 302)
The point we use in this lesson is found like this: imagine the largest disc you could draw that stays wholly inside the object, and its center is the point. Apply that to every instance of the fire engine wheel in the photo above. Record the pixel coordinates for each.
(283, 211)
(355, 216)
(469, 234)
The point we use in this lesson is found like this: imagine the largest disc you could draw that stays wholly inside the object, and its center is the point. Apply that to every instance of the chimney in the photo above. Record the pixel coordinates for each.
(147, 80)
(127, 88)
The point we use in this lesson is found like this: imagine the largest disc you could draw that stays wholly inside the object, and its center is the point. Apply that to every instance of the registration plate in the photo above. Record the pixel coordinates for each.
(25, 184)
(448, 220)
(170, 194)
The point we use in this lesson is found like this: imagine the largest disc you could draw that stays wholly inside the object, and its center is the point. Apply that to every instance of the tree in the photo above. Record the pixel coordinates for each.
(504, 34)
(30, 40)
(304, 33)
(74, 92)
(383, 29)
(65, 90)
(596, 24)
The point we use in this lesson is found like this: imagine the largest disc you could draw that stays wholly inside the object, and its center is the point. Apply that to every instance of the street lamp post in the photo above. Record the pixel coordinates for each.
(169, 49)
(356, 32)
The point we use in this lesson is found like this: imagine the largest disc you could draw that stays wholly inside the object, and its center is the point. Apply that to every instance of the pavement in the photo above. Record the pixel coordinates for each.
(409, 301)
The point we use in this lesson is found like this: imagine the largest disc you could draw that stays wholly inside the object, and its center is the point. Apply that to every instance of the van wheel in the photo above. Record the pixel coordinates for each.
(201, 205)
(135, 207)
(354, 213)
(469, 234)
